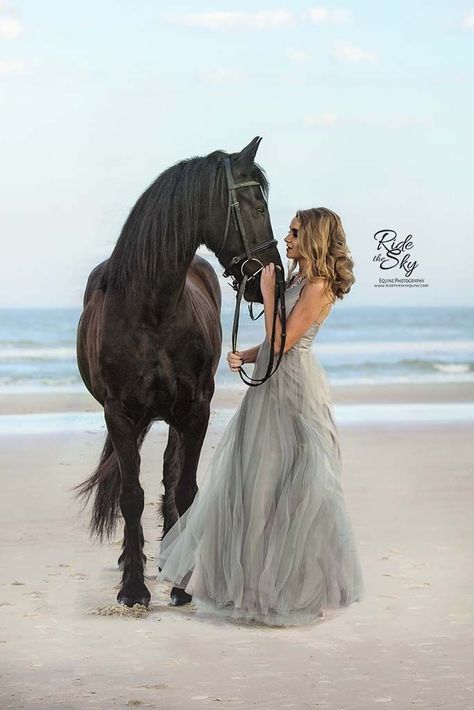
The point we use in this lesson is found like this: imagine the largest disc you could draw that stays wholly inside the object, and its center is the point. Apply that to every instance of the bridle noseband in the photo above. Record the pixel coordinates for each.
(246, 257)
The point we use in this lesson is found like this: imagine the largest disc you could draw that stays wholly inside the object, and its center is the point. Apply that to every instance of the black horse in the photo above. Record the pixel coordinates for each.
(149, 338)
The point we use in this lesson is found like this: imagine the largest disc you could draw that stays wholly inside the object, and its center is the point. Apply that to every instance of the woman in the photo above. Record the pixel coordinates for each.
(268, 536)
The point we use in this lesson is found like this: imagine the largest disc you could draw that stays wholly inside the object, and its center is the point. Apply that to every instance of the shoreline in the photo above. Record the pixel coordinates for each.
(229, 398)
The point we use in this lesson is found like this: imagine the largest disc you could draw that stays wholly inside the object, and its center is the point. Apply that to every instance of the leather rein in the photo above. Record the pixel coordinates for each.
(246, 257)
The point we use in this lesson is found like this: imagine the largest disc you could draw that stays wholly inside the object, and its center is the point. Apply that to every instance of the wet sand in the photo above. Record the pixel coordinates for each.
(408, 644)
(225, 398)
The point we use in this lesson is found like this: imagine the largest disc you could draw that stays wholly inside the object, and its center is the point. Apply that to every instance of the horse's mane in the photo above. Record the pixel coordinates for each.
(163, 229)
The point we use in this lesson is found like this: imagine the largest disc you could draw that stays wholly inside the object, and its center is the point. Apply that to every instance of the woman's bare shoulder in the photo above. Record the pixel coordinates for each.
(314, 289)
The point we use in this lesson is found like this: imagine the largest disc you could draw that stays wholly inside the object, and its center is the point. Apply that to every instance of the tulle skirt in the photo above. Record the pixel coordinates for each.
(268, 537)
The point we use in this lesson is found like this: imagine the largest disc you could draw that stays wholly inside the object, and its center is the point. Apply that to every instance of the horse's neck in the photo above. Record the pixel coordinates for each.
(159, 298)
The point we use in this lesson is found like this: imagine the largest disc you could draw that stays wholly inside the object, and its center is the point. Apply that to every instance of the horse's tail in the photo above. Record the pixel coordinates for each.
(106, 482)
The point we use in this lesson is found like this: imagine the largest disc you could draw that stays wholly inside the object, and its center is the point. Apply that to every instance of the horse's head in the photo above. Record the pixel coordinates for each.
(246, 243)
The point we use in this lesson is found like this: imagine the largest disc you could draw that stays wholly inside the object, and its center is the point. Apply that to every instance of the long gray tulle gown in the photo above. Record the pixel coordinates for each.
(268, 536)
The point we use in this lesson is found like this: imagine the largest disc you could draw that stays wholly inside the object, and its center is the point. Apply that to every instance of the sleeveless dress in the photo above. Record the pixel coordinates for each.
(268, 537)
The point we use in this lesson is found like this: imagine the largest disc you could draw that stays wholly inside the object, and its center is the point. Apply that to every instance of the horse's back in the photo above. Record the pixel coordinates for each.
(96, 281)
(88, 330)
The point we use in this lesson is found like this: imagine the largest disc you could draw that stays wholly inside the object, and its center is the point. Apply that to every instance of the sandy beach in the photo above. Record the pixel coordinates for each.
(408, 644)
(224, 398)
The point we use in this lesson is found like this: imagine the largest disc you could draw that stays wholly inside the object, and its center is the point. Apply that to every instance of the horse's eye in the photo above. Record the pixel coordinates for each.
(260, 210)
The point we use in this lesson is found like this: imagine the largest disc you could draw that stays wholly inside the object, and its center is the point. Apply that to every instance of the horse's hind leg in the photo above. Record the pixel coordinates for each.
(192, 438)
(171, 474)
(126, 444)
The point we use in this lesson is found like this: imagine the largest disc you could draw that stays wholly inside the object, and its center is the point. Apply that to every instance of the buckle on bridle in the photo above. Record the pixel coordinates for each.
(235, 260)
(251, 276)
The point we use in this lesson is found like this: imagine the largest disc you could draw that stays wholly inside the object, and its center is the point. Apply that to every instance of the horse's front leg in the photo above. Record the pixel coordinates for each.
(125, 440)
(192, 439)
(121, 559)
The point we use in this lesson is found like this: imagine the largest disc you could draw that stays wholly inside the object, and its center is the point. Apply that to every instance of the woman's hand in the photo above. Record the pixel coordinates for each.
(234, 360)
(267, 280)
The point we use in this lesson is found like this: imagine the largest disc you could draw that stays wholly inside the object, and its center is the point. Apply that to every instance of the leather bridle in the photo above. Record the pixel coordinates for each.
(246, 257)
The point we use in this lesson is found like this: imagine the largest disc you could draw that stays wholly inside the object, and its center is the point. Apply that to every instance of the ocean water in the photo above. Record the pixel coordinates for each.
(355, 345)
(413, 413)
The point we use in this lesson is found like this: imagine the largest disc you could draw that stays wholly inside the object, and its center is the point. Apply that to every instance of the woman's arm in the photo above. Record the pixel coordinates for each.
(268, 305)
(250, 355)
(303, 314)
(239, 358)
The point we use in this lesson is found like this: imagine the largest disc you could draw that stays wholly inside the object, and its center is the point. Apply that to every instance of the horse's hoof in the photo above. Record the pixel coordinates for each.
(128, 600)
(179, 597)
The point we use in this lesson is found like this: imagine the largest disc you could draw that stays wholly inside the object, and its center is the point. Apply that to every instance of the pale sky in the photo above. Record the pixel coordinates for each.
(364, 107)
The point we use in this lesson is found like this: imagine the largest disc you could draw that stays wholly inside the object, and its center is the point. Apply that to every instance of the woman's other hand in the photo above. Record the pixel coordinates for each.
(267, 280)
(234, 360)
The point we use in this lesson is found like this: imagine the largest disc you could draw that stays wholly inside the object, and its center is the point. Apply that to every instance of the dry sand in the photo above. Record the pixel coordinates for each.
(409, 644)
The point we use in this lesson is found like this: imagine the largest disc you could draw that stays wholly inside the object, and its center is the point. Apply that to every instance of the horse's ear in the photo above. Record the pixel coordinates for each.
(247, 155)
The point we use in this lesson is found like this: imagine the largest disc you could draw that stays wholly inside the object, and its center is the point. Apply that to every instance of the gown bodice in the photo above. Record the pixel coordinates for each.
(291, 297)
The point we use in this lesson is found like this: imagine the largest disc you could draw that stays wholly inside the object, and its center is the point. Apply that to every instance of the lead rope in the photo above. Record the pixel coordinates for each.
(279, 297)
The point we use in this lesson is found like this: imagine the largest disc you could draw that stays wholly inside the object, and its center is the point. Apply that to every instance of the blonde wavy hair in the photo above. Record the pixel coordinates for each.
(322, 245)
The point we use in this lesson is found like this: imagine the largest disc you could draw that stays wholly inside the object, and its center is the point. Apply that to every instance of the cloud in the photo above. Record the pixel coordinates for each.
(318, 15)
(10, 27)
(352, 53)
(264, 19)
(260, 20)
(468, 22)
(7, 67)
(322, 119)
(298, 55)
(222, 75)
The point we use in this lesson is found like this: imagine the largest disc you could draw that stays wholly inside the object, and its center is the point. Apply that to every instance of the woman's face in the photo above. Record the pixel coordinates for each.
(291, 239)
